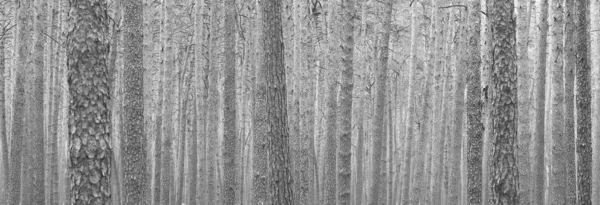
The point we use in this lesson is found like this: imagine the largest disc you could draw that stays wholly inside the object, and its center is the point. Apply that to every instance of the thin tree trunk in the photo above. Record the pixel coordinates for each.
(538, 167)
(24, 16)
(524, 83)
(378, 125)
(558, 178)
(346, 90)
(474, 105)
(3, 135)
(583, 104)
(213, 104)
(504, 172)
(230, 141)
(569, 69)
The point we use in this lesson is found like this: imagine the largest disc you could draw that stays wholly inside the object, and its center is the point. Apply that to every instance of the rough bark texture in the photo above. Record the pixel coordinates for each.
(260, 153)
(230, 141)
(280, 176)
(558, 179)
(347, 86)
(89, 118)
(569, 69)
(504, 175)
(524, 83)
(134, 146)
(583, 104)
(378, 123)
(538, 167)
(474, 105)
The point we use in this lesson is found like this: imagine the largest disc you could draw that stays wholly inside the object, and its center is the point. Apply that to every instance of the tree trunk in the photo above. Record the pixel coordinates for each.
(17, 138)
(280, 180)
(474, 105)
(538, 167)
(378, 125)
(346, 90)
(3, 135)
(213, 104)
(134, 146)
(524, 82)
(569, 69)
(88, 111)
(558, 178)
(230, 141)
(583, 104)
(504, 172)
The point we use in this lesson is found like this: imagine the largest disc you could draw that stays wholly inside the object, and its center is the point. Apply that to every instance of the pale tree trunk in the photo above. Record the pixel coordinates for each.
(558, 178)
(583, 104)
(486, 47)
(89, 116)
(504, 172)
(538, 167)
(455, 191)
(23, 48)
(524, 83)
(474, 105)
(168, 107)
(346, 90)
(330, 152)
(569, 69)
(407, 196)
(3, 135)
(198, 118)
(158, 141)
(438, 141)
(378, 125)
(595, 87)
(212, 104)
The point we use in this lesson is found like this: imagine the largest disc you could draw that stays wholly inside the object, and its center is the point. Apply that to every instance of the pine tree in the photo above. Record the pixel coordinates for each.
(583, 104)
(89, 135)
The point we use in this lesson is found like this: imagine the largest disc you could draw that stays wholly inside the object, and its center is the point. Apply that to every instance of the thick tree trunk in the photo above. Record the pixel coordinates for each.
(474, 105)
(583, 104)
(213, 104)
(88, 111)
(558, 178)
(230, 141)
(538, 167)
(569, 69)
(504, 174)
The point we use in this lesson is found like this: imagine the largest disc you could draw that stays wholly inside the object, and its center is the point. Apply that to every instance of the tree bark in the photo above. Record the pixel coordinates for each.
(230, 141)
(24, 17)
(538, 167)
(280, 181)
(504, 175)
(346, 90)
(378, 125)
(3, 135)
(558, 178)
(583, 104)
(134, 146)
(90, 157)
(569, 69)
(474, 106)
(524, 85)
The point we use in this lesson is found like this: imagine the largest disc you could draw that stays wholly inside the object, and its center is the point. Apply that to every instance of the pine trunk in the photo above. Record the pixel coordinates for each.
(558, 178)
(503, 172)
(583, 104)
(569, 77)
(346, 90)
(88, 110)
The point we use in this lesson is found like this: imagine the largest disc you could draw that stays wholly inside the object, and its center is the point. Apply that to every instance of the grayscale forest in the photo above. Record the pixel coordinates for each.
(299, 102)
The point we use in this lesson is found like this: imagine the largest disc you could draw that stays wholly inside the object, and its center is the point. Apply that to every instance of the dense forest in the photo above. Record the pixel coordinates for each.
(171, 102)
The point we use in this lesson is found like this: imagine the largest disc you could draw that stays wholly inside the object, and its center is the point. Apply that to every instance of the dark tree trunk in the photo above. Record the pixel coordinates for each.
(583, 104)
(504, 174)
(90, 157)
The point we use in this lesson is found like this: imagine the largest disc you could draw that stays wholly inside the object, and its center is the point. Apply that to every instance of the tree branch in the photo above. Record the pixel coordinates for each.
(451, 6)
